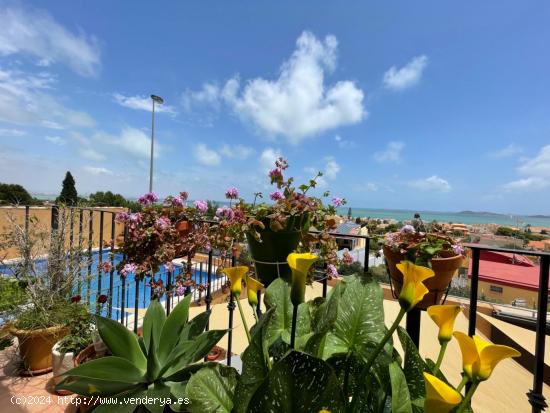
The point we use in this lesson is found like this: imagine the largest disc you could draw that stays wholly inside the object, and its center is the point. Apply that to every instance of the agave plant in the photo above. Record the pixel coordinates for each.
(157, 365)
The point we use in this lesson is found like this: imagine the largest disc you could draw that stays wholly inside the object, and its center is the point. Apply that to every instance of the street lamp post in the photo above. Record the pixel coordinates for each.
(160, 101)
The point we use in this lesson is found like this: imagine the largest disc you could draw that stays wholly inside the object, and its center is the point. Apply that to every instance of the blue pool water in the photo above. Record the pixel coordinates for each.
(123, 290)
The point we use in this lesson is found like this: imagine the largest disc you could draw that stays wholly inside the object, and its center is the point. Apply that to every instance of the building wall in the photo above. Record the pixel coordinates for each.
(41, 222)
(508, 293)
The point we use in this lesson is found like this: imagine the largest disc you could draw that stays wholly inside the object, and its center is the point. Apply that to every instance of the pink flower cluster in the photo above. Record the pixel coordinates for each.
(127, 269)
(225, 212)
(332, 271)
(201, 205)
(337, 202)
(162, 223)
(106, 266)
(407, 229)
(277, 195)
(232, 193)
(347, 258)
(169, 266)
(458, 249)
(148, 198)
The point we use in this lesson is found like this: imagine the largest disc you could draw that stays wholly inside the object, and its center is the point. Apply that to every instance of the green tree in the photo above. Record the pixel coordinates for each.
(68, 193)
(101, 198)
(15, 194)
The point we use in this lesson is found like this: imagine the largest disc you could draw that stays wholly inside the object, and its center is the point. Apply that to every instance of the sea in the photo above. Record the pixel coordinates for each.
(464, 217)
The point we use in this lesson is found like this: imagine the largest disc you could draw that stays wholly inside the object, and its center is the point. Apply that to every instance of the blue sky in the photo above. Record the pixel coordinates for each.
(430, 105)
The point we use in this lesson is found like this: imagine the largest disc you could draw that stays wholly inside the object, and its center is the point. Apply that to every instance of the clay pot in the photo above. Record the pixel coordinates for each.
(88, 353)
(444, 269)
(217, 353)
(183, 227)
(35, 347)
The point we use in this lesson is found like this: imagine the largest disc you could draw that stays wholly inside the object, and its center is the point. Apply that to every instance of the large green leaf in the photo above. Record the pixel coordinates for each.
(172, 328)
(277, 296)
(413, 366)
(196, 326)
(325, 314)
(360, 318)
(211, 389)
(160, 394)
(254, 369)
(109, 368)
(121, 341)
(401, 400)
(298, 383)
(153, 366)
(153, 323)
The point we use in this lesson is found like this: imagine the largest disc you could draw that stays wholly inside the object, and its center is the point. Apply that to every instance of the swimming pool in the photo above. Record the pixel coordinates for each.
(127, 293)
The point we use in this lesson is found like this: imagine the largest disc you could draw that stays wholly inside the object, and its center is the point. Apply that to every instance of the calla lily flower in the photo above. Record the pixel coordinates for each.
(444, 316)
(235, 275)
(413, 290)
(299, 264)
(252, 288)
(440, 397)
(479, 357)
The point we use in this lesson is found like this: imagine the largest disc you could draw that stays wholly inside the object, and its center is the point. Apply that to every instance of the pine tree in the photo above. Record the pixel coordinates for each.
(68, 193)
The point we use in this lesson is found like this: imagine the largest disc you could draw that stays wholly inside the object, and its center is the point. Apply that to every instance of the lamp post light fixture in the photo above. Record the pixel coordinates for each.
(160, 101)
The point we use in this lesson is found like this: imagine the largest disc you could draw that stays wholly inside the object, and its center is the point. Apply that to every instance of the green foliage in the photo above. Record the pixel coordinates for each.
(80, 335)
(156, 365)
(15, 194)
(348, 269)
(12, 294)
(32, 318)
(108, 199)
(68, 195)
(523, 235)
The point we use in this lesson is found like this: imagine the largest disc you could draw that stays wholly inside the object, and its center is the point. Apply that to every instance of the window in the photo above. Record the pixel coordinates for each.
(496, 289)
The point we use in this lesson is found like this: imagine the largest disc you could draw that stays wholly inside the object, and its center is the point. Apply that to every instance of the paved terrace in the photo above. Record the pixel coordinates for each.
(504, 392)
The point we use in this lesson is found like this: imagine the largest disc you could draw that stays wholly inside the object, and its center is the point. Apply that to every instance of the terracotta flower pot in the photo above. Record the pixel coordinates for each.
(183, 227)
(444, 268)
(35, 347)
(86, 404)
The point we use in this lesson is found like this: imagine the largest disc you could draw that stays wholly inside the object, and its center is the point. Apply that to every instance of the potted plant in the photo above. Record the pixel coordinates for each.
(43, 319)
(433, 250)
(65, 350)
(275, 230)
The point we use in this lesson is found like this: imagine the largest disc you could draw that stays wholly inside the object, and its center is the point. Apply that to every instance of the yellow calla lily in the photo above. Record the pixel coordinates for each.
(480, 357)
(413, 290)
(444, 316)
(440, 397)
(252, 288)
(235, 275)
(299, 264)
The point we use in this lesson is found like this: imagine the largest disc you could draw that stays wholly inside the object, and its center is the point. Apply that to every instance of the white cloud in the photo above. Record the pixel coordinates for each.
(206, 156)
(56, 140)
(27, 99)
(141, 103)
(268, 158)
(210, 94)
(536, 171)
(407, 76)
(97, 170)
(237, 151)
(133, 141)
(344, 143)
(392, 152)
(507, 151)
(35, 33)
(12, 132)
(90, 153)
(433, 183)
(331, 168)
(366, 187)
(527, 184)
(298, 104)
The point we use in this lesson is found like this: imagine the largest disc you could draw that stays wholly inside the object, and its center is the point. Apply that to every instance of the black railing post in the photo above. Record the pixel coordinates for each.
(473, 292)
(100, 256)
(27, 219)
(55, 218)
(90, 246)
(112, 272)
(231, 308)
(535, 396)
(168, 291)
(208, 298)
(367, 254)
(413, 325)
(136, 304)
(71, 235)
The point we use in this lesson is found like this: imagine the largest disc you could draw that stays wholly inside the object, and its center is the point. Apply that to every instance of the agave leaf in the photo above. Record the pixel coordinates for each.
(400, 400)
(161, 392)
(93, 387)
(121, 341)
(211, 389)
(153, 366)
(172, 328)
(123, 406)
(152, 323)
(195, 326)
(109, 368)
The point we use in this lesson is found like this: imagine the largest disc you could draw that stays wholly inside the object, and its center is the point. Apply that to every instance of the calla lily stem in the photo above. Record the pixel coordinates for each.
(294, 322)
(440, 357)
(462, 383)
(384, 340)
(468, 398)
(244, 320)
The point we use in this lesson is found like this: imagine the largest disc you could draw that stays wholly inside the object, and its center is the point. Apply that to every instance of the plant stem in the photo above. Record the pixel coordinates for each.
(294, 322)
(462, 383)
(385, 339)
(466, 400)
(440, 357)
(346, 376)
(244, 320)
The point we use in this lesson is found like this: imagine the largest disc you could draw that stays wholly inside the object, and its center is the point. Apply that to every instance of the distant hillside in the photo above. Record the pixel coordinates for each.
(483, 213)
